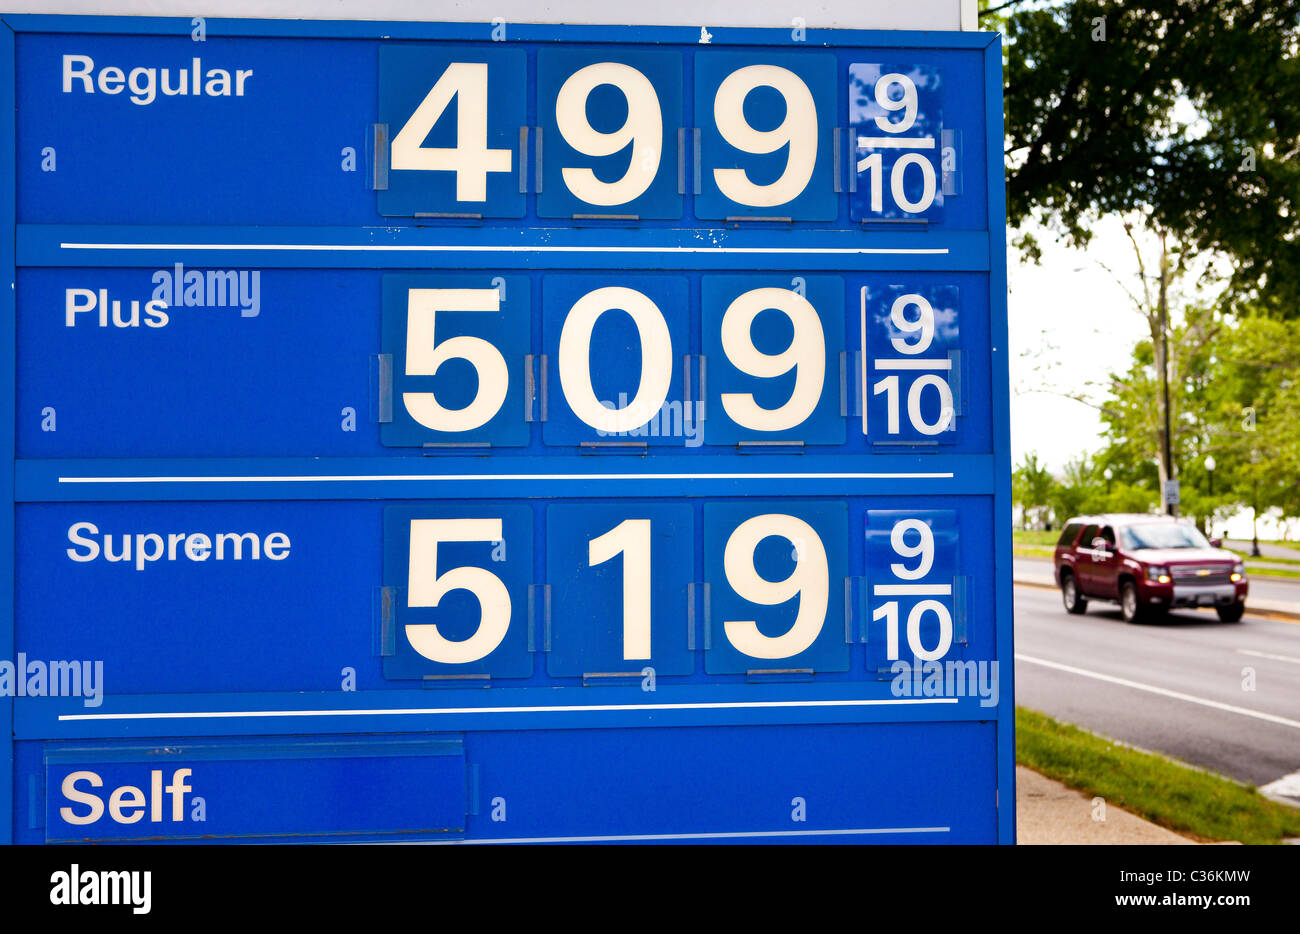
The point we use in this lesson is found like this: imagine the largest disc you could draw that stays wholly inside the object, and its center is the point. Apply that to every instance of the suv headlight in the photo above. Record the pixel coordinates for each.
(1158, 574)
(1238, 572)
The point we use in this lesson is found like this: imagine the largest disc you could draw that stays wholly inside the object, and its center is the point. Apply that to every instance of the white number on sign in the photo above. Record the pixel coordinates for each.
(471, 160)
(575, 359)
(889, 386)
(643, 130)
(809, 581)
(798, 132)
(923, 326)
(889, 613)
(806, 355)
(631, 539)
(424, 355)
(874, 164)
(907, 103)
(426, 587)
(923, 550)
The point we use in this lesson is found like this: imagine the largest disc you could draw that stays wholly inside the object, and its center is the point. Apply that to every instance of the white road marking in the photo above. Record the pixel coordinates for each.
(1281, 658)
(1163, 692)
(1287, 786)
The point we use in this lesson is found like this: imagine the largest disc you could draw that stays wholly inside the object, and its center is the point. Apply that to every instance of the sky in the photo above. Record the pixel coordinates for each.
(1070, 322)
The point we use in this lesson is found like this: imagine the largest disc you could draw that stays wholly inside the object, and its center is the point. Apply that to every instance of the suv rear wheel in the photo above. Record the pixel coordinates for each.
(1074, 601)
(1130, 604)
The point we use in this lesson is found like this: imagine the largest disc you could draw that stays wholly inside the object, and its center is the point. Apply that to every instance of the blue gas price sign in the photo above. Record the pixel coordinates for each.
(478, 434)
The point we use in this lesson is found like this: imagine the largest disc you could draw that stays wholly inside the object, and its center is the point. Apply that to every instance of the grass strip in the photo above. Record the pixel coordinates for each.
(1183, 799)
(1034, 537)
(1253, 571)
(1272, 559)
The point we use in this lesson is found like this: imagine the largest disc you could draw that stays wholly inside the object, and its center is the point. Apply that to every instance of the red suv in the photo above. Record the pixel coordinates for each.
(1147, 564)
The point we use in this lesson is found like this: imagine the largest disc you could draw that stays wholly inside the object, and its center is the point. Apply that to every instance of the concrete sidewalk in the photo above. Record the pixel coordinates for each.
(1049, 813)
(1266, 549)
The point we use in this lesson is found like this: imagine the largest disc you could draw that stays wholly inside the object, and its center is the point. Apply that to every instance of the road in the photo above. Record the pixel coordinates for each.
(1179, 687)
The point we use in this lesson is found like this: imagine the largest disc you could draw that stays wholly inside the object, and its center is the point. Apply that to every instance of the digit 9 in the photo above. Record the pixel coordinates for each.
(643, 130)
(907, 104)
(798, 132)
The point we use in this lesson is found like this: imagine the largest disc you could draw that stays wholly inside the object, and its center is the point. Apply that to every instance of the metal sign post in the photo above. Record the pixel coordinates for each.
(505, 432)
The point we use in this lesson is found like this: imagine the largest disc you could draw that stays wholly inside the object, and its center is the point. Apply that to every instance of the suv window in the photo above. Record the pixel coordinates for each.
(1069, 534)
(1109, 534)
(1162, 535)
(1088, 535)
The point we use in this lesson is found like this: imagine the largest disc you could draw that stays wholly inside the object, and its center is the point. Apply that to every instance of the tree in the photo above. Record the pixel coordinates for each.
(1031, 490)
(1134, 409)
(1182, 113)
(1236, 395)
(1253, 418)
(1076, 493)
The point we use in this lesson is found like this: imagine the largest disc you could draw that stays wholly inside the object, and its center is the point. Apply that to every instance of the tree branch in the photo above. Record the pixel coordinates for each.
(1001, 6)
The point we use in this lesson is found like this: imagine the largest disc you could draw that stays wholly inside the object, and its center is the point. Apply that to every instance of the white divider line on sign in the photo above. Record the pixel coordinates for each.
(398, 478)
(504, 248)
(559, 708)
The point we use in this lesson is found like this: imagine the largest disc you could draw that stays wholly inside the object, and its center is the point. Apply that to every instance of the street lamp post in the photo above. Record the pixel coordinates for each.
(1170, 507)
(1210, 464)
(1254, 523)
(1108, 474)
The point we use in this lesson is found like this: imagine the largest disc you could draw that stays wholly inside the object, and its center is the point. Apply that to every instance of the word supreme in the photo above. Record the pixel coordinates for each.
(147, 547)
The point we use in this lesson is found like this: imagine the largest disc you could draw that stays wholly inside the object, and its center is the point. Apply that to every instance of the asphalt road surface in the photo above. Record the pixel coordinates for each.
(1179, 687)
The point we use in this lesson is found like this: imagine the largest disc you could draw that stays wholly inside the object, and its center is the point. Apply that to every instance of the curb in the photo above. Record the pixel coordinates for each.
(1287, 616)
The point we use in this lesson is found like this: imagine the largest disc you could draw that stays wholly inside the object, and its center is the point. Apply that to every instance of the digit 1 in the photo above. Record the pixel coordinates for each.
(631, 539)
(889, 613)
(874, 166)
(889, 386)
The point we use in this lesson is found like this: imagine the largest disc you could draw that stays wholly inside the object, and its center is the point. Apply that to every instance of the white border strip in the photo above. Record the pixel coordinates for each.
(1163, 692)
(451, 711)
(398, 478)
(505, 248)
(1278, 658)
(736, 835)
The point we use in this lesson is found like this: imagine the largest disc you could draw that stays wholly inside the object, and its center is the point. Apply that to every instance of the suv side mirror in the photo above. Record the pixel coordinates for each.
(1216, 543)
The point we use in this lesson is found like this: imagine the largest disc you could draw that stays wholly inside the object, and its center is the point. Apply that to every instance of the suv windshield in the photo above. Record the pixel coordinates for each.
(1162, 535)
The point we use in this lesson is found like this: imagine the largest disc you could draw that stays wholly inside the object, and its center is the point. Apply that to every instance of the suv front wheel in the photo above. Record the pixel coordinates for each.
(1232, 613)
(1074, 601)
(1130, 604)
